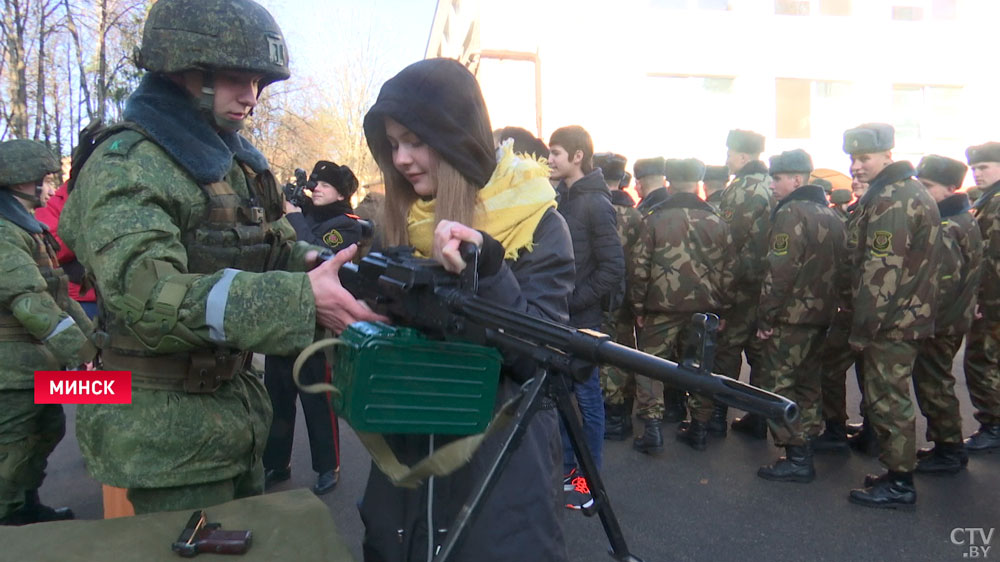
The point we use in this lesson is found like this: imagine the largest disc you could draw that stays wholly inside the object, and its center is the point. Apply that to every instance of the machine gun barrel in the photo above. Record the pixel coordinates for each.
(418, 293)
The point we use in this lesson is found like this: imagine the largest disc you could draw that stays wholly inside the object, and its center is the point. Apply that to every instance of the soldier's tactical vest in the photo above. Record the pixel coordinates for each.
(56, 284)
(235, 233)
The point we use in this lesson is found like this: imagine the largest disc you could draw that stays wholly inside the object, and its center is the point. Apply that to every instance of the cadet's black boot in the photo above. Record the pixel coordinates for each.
(274, 475)
(795, 466)
(833, 438)
(986, 440)
(651, 440)
(894, 490)
(853, 428)
(675, 406)
(326, 481)
(37, 512)
(944, 458)
(614, 422)
(751, 424)
(718, 425)
(695, 434)
(865, 442)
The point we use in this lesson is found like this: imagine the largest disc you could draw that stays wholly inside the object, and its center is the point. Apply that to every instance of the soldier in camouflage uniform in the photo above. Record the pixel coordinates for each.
(895, 294)
(746, 205)
(41, 328)
(798, 301)
(836, 355)
(618, 384)
(154, 216)
(650, 180)
(982, 346)
(716, 179)
(683, 266)
(958, 281)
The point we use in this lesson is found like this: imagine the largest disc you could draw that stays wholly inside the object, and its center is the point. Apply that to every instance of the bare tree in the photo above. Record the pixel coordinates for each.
(15, 22)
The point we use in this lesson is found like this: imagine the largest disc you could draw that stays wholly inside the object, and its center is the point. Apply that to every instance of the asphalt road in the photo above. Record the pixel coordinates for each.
(688, 505)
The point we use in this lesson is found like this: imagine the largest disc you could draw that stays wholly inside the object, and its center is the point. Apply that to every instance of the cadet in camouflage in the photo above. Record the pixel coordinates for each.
(41, 328)
(684, 265)
(958, 281)
(618, 384)
(154, 217)
(895, 301)
(746, 205)
(982, 346)
(798, 301)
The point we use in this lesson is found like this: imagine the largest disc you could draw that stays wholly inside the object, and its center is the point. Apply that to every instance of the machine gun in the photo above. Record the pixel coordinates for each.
(419, 293)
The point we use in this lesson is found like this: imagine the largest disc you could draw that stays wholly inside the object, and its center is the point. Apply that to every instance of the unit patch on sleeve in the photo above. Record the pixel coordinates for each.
(333, 238)
(780, 245)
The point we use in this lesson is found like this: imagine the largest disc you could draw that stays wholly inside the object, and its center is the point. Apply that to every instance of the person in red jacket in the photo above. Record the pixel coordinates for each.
(49, 215)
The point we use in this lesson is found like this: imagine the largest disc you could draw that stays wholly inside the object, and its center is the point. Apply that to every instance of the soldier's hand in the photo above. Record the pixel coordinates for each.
(640, 322)
(289, 208)
(765, 334)
(336, 307)
(978, 313)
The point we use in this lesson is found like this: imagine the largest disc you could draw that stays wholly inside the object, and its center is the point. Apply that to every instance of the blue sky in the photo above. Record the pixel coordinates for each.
(317, 30)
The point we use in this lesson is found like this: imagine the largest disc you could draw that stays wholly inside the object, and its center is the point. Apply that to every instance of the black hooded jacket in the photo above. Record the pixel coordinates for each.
(333, 225)
(600, 259)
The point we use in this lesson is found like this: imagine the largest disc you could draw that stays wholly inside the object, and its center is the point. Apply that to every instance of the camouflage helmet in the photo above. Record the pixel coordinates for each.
(25, 161)
(213, 35)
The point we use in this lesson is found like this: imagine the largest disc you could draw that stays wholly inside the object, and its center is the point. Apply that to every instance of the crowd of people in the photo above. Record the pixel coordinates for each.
(177, 222)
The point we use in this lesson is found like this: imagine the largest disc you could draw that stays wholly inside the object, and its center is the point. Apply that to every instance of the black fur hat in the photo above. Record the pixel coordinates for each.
(943, 170)
(649, 167)
(612, 165)
(340, 177)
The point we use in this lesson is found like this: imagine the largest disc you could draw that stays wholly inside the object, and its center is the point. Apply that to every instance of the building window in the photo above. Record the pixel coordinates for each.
(835, 7)
(792, 108)
(713, 4)
(907, 13)
(926, 113)
(944, 9)
(791, 7)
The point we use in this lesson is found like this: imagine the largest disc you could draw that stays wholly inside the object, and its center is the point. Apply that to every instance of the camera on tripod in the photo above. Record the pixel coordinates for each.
(295, 192)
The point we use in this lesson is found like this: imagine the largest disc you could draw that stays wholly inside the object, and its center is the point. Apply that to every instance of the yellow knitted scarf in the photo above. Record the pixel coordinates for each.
(513, 202)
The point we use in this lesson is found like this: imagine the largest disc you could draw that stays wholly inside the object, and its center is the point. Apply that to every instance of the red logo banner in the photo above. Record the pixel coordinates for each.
(83, 387)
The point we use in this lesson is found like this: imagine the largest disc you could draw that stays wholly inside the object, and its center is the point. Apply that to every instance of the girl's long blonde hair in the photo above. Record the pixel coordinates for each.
(457, 199)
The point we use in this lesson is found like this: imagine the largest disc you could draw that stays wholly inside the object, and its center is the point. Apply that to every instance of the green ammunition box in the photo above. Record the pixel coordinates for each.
(395, 380)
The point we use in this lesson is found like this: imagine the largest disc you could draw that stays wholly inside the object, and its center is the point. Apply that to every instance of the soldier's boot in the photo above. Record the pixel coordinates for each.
(795, 466)
(853, 428)
(694, 434)
(833, 438)
(33, 511)
(675, 406)
(894, 490)
(986, 440)
(718, 425)
(944, 458)
(651, 440)
(865, 442)
(614, 422)
(752, 425)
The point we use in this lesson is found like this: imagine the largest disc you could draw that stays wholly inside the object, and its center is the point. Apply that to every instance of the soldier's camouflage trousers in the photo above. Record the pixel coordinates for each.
(739, 335)
(618, 384)
(193, 496)
(982, 369)
(28, 434)
(789, 367)
(663, 336)
(836, 358)
(934, 386)
(888, 372)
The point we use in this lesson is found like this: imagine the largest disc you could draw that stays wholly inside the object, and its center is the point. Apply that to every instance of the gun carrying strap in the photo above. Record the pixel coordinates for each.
(442, 462)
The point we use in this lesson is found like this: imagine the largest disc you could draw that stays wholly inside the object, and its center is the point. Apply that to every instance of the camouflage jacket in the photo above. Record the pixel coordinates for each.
(808, 244)
(630, 225)
(898, 231)
(130, 219)
(683, 262)
(959, 267)
(715, 199)
(53, 334)
(987, 213)
(746, 205)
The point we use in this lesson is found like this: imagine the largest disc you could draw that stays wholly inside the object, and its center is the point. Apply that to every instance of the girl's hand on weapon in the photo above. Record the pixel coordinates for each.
(447, 236)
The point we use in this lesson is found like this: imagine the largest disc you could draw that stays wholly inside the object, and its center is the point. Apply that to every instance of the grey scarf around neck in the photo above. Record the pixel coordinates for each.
(172, 120)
